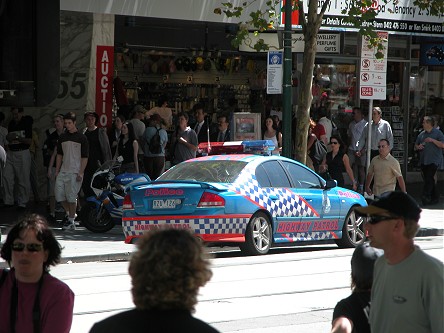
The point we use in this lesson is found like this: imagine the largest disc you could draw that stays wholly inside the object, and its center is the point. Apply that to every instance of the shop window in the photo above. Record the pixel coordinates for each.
(335, 88)
(350, 43)
(398, 46)
(426, 99)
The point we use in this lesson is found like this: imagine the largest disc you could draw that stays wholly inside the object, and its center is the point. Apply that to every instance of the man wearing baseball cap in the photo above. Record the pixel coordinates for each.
(407, 293)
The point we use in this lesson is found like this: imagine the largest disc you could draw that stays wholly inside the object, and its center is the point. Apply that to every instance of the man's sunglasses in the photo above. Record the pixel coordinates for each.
(376, 219)
(31, 247)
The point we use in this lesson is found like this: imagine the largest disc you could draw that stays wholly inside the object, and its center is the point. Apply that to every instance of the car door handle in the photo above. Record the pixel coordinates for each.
(273, 197)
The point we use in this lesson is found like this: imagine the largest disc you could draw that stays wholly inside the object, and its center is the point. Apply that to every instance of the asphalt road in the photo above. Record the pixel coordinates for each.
(289, 290)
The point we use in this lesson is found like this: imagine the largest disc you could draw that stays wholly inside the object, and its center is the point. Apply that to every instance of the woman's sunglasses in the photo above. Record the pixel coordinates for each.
(31, 247)
(334, 142)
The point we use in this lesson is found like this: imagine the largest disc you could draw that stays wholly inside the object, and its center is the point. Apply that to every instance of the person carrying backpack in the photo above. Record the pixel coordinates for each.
(155, 139)
(316, 149)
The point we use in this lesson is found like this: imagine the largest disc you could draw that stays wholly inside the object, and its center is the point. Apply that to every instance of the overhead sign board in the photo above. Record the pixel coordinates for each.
(397, 16)
(326, 42)
(373, 75)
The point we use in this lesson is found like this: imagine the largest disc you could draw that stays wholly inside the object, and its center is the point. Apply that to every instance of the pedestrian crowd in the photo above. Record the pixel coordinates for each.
(142, 140)
(348, 153)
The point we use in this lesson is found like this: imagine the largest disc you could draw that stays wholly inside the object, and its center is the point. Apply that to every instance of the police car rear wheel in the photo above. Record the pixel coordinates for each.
(258, 236)
(353, 232)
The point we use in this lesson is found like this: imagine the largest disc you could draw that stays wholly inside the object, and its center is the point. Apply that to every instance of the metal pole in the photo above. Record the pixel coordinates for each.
(287, 114)
(369, 133)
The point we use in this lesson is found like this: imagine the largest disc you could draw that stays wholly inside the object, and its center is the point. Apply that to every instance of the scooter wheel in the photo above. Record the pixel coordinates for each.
(96, 219)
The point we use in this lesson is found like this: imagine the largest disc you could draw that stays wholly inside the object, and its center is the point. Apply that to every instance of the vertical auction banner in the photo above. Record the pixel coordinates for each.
(274, 72)
(104, 84)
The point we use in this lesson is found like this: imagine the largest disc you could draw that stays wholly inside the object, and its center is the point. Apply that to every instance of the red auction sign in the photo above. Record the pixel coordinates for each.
(104, 84)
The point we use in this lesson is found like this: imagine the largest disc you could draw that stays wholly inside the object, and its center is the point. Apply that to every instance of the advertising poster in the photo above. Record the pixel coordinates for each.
(104, 84)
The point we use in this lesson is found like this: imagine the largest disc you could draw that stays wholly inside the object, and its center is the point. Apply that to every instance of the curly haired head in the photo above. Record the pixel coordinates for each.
(168, 269)
(44, 234)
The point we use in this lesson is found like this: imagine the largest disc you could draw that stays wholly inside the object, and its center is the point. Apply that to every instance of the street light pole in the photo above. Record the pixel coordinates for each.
(287, 114)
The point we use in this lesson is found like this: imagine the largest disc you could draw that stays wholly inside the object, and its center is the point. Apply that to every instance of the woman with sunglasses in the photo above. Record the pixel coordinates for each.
(336, 162)
(31, 299)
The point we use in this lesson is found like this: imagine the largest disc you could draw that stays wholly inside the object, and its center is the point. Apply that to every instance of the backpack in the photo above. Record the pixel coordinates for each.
(318, 151)
(154, 145)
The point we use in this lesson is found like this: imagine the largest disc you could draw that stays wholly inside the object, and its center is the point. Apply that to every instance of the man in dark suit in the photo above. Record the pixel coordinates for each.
(223, 134)
(201, 127)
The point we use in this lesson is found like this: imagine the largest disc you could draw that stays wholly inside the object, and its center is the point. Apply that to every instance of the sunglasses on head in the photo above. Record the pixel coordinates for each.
(31, 247)
(376, 219)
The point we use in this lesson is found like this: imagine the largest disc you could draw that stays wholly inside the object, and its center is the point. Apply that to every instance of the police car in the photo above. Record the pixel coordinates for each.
(251, 200)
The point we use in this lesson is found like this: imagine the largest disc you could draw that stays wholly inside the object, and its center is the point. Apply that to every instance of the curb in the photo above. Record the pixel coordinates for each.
(429, 232)
(124, 256)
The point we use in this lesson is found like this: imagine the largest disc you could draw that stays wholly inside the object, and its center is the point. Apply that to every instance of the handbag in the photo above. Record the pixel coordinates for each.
(318, 151)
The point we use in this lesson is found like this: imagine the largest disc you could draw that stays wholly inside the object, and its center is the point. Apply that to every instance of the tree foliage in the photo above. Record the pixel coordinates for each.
(358, 12)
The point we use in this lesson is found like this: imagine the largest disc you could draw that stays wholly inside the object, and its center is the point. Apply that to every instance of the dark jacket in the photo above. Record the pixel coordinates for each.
(227, 136)
(166, 321)
(202, 136)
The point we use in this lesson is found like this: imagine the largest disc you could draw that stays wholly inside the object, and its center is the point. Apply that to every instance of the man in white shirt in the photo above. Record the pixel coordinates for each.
(355, 129)
(381, 129)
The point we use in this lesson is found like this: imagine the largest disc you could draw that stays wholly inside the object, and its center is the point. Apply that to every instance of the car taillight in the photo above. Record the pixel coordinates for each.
(127, 203)
(209, 199)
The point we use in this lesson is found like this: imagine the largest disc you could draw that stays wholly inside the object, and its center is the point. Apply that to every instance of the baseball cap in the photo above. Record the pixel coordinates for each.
(393, 203)
(90, 113)
(139, 108)
(363, 260)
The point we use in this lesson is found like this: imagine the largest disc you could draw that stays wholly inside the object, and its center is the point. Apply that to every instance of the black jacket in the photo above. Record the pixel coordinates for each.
(152, 321)
(227, 136)
(202, 136)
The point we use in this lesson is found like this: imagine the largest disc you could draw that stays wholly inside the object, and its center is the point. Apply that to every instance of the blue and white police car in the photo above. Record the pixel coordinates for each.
(251, 200)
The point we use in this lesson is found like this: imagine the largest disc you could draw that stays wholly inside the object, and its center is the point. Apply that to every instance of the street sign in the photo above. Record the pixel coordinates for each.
(274, 72)
(373, 75)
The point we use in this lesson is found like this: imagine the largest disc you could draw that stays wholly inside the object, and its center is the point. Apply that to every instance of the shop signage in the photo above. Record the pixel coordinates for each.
(274, 72)
(104, 84)
(397, 16)
(326, 43)
(373, 75)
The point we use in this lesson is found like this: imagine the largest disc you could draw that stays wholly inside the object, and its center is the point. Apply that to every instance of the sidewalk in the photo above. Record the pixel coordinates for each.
(84, 246)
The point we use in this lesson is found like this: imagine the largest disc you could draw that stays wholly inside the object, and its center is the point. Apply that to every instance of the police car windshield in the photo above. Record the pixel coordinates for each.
(205, 171)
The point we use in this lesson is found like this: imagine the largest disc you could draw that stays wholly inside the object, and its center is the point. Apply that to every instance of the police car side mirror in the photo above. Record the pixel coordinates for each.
(330, 184)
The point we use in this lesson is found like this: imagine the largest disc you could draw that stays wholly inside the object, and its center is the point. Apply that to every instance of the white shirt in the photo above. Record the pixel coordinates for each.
(328, 126)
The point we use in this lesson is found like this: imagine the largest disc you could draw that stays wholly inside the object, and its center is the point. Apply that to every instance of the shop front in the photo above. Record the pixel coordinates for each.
(193, 62)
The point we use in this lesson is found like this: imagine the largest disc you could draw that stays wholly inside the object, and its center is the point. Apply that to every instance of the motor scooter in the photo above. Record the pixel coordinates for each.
(103, 211)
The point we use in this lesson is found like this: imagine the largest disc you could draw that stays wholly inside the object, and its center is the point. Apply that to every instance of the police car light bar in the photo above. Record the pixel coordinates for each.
(258, 147)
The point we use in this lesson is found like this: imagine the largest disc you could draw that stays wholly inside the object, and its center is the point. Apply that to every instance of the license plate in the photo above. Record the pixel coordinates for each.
(167, 203)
